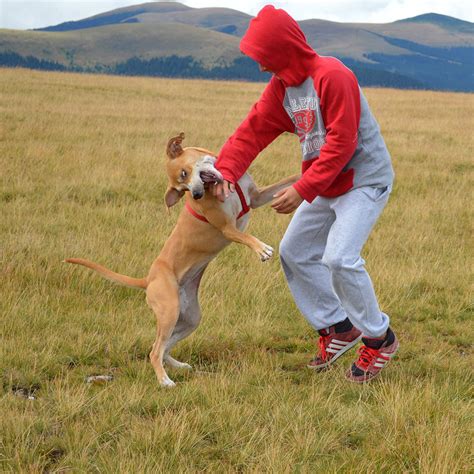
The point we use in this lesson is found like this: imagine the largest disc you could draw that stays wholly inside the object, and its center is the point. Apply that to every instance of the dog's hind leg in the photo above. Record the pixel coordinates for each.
(162, 296)
(189, 319)
(261, 196)
(187, 323)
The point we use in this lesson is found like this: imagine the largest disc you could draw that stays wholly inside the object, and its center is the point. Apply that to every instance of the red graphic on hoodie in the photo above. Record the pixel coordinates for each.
(305, 120)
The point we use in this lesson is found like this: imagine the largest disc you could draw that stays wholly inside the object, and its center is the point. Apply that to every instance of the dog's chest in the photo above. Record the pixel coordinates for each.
(243, 222)
(233, 205)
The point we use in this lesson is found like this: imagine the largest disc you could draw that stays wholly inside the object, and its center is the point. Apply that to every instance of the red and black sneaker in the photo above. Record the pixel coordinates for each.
(333, 342)
(373, 357)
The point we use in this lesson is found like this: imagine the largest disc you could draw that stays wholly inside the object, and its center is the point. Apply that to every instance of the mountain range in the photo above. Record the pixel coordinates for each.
(170, 39)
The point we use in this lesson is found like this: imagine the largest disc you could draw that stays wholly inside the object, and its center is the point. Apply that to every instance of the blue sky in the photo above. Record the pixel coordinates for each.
(25, 14)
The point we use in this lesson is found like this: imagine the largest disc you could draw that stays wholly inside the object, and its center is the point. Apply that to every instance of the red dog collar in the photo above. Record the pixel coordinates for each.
(243, 202)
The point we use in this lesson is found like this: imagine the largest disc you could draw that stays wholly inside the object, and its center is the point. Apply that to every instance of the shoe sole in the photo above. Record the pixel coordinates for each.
(336, 356)
(350, 379)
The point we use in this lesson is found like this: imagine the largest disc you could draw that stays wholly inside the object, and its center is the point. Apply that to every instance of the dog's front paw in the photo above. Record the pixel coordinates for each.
(265, 252)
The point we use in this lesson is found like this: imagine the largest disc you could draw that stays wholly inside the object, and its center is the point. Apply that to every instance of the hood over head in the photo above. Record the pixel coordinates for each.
(275, 40)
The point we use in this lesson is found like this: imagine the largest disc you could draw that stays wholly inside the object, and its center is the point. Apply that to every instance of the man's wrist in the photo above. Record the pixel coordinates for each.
(297, 191)
(305, 194)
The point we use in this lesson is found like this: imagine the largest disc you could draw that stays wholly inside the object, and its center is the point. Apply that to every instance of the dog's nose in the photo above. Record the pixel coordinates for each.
(197, 194)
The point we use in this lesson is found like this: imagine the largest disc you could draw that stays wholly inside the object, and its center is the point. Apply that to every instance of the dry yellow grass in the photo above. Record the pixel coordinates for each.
(81, 163)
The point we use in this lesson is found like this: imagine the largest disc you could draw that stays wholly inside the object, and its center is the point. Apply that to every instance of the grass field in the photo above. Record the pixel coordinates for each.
(81, 163)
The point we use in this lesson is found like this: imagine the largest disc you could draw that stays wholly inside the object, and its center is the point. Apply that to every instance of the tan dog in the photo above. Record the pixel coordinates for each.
(204, 227)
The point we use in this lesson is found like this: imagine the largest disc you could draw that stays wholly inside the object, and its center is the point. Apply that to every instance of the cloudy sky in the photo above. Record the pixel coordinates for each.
(25, 14)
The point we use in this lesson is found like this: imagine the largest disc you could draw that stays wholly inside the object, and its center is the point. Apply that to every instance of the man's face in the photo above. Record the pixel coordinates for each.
(265, 69)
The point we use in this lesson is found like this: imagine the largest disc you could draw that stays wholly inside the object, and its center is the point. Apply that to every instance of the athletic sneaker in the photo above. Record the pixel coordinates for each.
(333, 342)
(373, 357)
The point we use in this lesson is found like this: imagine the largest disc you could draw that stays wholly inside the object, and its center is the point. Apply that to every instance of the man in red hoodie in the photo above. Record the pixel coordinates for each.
(346, 180)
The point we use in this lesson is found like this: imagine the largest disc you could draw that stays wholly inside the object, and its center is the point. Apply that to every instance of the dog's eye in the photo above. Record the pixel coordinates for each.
(183, 174)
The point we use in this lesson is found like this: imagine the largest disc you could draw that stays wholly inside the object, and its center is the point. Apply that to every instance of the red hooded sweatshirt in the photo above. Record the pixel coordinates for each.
(317, 98)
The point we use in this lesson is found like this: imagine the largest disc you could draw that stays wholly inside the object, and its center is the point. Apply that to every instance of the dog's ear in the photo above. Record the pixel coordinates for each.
(172, 196)
(174, 149)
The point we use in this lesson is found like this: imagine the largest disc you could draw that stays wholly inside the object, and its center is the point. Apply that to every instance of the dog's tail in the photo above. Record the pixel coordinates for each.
(109, 274)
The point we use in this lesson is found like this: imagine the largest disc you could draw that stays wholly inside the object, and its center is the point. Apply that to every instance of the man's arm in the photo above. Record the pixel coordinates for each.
(266, 121)
(340, 107)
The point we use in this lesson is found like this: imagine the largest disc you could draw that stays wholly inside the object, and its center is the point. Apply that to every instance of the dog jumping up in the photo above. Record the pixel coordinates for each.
(204, 227)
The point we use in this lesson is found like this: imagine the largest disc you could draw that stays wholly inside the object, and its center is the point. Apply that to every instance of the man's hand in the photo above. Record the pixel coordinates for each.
(287, 200)
(222, 190)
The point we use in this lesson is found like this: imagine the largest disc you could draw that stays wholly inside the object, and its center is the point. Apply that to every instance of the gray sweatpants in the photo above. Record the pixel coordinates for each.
(320, 254)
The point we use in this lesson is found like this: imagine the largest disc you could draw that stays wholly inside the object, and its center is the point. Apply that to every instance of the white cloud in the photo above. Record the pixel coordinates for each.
(24, 14)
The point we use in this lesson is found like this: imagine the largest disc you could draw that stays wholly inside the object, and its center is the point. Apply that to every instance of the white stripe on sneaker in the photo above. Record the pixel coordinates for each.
(335, 346)
(337, 353)
(337, 341)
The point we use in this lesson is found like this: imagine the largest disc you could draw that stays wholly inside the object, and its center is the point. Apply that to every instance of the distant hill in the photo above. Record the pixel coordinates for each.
(447, 22)
(220, 19)
(429, 51)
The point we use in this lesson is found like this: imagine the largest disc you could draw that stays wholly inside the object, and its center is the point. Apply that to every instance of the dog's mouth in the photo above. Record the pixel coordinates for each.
(210, 177)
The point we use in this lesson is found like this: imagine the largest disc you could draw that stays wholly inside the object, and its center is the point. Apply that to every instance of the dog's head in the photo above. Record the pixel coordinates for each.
(189, 169)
